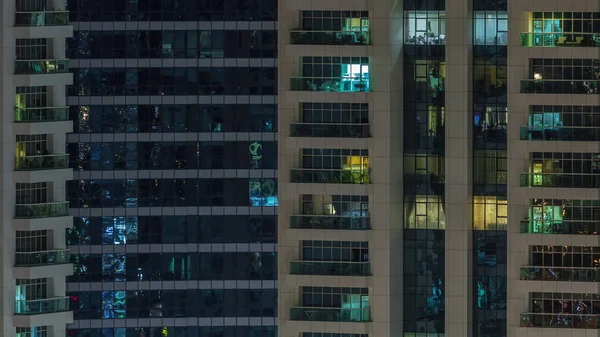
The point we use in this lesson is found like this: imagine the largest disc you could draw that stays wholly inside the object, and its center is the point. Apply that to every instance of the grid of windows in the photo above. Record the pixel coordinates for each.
(31, 241)
(195, 135)
(173, 266)
(334, 112)
(173, 303)
(189, 331)
(31, 49)
(31, 193)
(36, 331)
(167, 44)
(349, 251)
(174, 118)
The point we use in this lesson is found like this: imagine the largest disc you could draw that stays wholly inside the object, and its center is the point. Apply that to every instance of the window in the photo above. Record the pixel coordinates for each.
(352, 113)
(341, 74)
(341, 205)
(424, 212)
(31, 241)
(335, 20)
(425, 27)
(31, 49)
(490, 213)
(31, 193)
(346, 251)
(35, 331)
(491, 28)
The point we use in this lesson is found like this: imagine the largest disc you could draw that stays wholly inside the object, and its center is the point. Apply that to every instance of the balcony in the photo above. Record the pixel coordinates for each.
(41, 19)
(34, 115)
(567, 321)
(589, 87)
(330, 176)
(330, 222)
(43, 306)
(561, 133)
(323, 37)
(330, 84)
(329, 130)
(560, 40)
(42, 210)
(568, 227)
(574, 180)
(43, 258)
(35, 67)
(566, 274)
(332, 268)
(330, 314)
(44, 162)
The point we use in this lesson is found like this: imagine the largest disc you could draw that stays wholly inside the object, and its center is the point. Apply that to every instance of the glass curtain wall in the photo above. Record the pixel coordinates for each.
(424, 176)
(490, 122)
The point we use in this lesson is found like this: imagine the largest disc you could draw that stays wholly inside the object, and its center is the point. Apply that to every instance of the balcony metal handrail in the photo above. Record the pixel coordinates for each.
(340, 268)
(337, 124)
(562, 221)
(330, 314)
(331, 176)
(41, 306)
(41, 162)
(41, 66)
(532, 266)
(40, 258)
(41, 18)
(330, 37)
(328, 221)
(41, 114)
(42, 210)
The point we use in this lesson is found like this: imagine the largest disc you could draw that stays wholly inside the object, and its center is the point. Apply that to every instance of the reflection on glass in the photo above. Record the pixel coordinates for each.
(41, 66)
(570, 274)
(41, 19)
(263, 192)
(568, 321)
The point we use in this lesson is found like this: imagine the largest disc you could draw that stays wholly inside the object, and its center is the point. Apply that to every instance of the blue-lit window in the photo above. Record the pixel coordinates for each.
(491, 28)
(263, 192)
(119, 230)
(113, 304)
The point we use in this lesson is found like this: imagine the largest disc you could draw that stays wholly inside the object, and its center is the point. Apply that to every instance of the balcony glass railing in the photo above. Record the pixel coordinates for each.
(41, 19)
(569, 227)
(329, 130)
(317, 37)
(43, 306)
(329, 176)
(566, 274)
(330, 222)
(45, 210)
(561, 133)
(45, 162)
(48, 257)
(330, 84)
(569, 321)
(560, 40)
(576, 180)
(33, 67)
(330, 314)
(333, 268)
(589, 87)
(32, 115)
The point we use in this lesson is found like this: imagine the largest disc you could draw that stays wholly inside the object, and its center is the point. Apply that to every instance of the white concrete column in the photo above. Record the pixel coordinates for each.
(459, 167)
